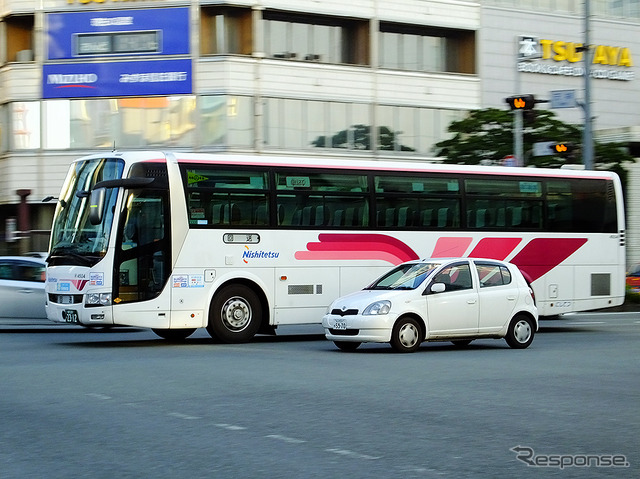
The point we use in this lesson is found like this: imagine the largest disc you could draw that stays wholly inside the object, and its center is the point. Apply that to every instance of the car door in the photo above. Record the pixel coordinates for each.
(497, 298)
(453, 312)
(22, 289)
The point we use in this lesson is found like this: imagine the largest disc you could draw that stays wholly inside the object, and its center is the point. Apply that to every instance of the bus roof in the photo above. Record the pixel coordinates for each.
(386, 164)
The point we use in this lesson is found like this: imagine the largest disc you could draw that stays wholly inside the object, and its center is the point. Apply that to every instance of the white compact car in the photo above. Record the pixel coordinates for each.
(22, 293)
(458, 300)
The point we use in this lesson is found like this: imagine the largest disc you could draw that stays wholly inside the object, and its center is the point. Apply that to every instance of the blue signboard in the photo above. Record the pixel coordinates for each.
(155, 31)
(132, 78)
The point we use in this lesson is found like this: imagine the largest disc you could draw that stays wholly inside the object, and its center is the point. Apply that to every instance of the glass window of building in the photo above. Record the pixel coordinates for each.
(18, 41)
(240, 115)
(25, 125)
(225, 30)
(123, 122)
(291, 36)
(410, 47)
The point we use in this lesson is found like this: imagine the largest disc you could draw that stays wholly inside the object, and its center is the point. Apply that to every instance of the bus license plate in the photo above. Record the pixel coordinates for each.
(340, 325)
(70, 316)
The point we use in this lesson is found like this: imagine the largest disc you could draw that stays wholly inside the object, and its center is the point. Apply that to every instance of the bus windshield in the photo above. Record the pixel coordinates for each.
(73, 236)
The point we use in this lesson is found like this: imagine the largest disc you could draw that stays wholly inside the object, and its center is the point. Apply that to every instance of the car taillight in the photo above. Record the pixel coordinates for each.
(533, 295)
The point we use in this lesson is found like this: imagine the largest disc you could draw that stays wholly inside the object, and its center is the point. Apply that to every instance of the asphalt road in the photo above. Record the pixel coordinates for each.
(124, 403)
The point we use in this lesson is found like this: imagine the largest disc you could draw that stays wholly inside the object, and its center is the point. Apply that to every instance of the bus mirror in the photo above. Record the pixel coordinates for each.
(96, 205)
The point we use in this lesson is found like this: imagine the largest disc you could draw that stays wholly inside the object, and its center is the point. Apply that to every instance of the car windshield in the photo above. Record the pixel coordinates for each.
(73, 235)
(405, 276)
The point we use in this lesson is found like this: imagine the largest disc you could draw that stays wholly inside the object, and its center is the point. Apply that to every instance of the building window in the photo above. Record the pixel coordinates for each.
(227, 121)
(25, 125)
(19, 31)
(120, 122)
(407, 47)
(314, 38)
(225, 30)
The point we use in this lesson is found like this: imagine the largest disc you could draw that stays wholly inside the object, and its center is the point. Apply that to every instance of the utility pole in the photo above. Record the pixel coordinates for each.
(587, 132)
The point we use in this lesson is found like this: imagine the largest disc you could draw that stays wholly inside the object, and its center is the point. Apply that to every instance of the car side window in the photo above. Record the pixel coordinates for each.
(493, 274)
(455, 278)
(5, 271)
(30, 272)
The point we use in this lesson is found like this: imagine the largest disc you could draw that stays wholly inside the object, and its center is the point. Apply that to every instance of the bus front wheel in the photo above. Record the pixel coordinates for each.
(235, 314)
(174, 334)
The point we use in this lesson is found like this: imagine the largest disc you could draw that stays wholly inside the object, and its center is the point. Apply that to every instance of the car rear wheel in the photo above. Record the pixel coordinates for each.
(406, 335)
(521, 331)
(347, 345)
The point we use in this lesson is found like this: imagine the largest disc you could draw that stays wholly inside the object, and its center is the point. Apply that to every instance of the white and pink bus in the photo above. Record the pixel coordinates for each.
(240, 245)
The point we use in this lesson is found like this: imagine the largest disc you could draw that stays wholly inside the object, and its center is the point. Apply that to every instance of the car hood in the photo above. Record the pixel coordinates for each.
(361, 299)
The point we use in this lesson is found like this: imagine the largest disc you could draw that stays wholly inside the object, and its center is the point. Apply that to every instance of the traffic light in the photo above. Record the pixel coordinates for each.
(562, 149)
(521, 102)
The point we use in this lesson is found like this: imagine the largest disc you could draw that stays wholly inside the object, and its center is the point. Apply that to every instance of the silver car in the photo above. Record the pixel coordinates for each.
(22, 282)
(458, 300)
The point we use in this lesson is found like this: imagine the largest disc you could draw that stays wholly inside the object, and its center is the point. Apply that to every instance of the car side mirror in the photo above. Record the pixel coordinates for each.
(436, 288)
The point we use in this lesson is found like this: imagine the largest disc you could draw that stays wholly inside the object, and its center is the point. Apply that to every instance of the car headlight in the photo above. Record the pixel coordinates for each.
(98, 299)
(379, 307)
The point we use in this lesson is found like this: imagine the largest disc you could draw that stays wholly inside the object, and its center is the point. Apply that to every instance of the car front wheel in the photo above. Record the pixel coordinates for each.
(235, 314)
(521, 331)
(406, 335)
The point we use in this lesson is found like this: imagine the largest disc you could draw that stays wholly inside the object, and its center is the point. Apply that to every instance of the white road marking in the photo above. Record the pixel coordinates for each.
(355, 455)
(102, 397)
(230, 427)
(290, 440)
(179, 415)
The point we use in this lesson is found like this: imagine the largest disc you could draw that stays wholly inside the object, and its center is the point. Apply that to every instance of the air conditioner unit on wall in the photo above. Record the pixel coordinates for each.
(24, 56)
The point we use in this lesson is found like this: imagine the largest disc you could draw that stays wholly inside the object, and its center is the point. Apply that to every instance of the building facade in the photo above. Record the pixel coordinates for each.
(317, 78)
(300, 77)
(535, 47)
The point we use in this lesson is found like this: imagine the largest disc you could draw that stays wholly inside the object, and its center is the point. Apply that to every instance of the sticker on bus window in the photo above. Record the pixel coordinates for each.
(197, 213)
(193, 177)
(530, 187)
(298, 182)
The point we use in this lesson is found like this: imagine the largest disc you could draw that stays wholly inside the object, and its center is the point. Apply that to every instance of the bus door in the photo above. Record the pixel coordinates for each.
(143, 254)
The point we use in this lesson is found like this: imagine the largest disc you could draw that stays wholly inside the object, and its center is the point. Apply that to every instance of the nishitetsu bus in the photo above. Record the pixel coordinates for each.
(242, 244)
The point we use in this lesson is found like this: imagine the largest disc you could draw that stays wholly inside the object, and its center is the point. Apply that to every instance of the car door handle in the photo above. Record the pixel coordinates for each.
(511, 298)
(471, 301)
(28, 291)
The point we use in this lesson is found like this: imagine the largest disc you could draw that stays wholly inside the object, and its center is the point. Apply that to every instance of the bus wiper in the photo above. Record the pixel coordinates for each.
(80, 259)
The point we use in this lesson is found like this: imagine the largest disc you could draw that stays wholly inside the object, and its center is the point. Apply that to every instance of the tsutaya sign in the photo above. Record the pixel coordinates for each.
(557, 57)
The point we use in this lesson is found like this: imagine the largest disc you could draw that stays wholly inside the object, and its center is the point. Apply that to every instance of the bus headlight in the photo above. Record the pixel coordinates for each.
(98, 299)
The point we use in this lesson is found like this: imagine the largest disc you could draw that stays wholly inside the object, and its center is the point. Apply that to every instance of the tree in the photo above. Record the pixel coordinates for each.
(486, 137)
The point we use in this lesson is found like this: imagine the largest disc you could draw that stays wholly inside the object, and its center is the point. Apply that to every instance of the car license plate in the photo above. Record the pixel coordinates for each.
(70, 316)
(341, 325)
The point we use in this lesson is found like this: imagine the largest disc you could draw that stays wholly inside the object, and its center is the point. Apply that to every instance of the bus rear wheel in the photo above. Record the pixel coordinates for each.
(235, 314)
